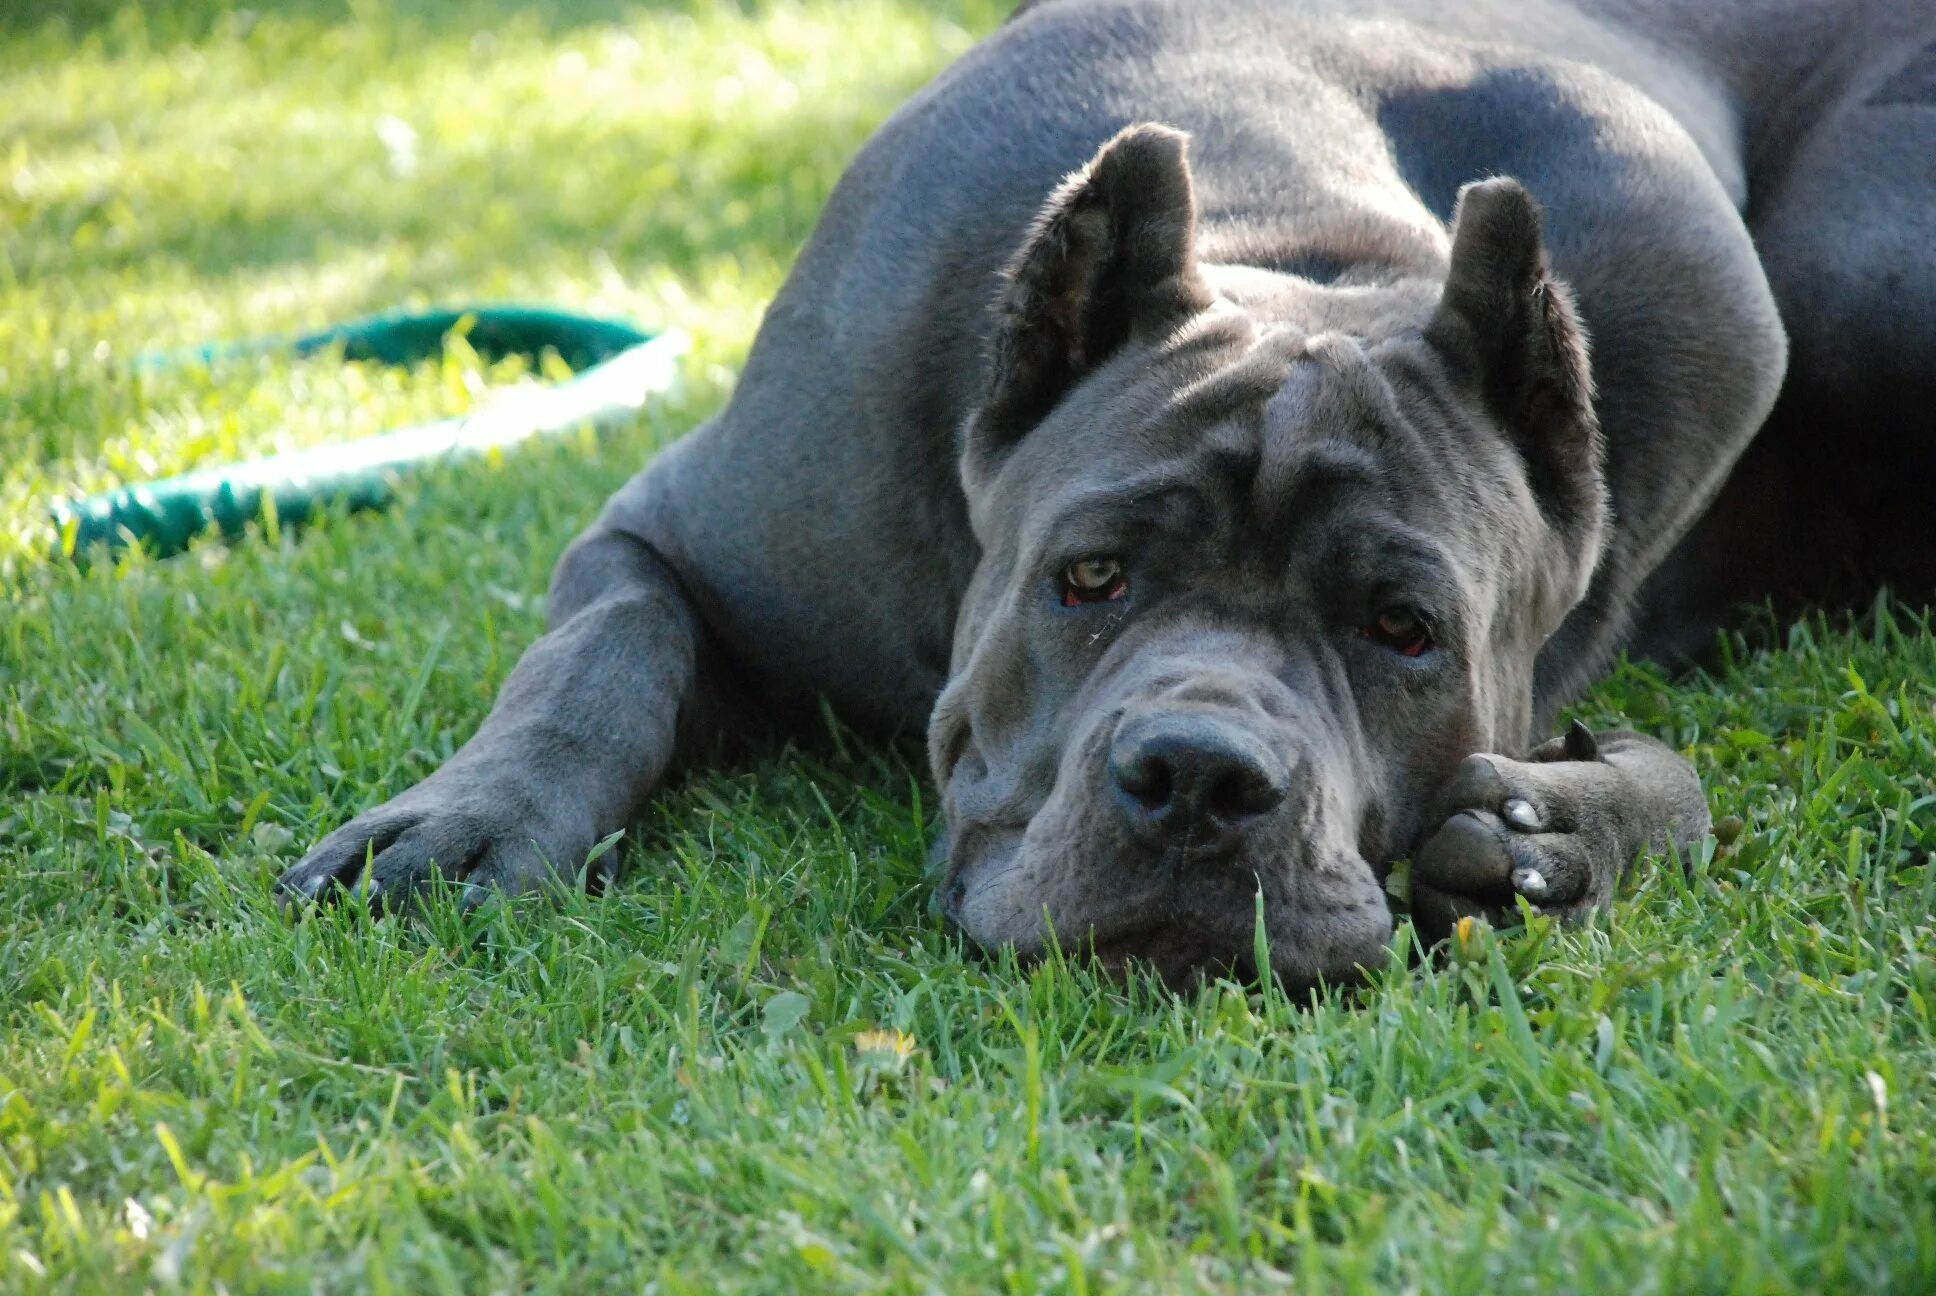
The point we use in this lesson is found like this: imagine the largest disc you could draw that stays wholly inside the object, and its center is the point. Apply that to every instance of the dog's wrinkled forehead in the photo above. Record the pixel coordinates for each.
(1332, 413)
(1274, 412)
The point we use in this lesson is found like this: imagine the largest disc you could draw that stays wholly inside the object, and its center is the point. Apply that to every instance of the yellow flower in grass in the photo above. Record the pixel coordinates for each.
(884, 1045)
(1469, 939)
(881, 1059)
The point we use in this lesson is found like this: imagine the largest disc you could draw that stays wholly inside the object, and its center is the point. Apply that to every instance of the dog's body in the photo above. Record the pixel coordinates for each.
(1230, 506)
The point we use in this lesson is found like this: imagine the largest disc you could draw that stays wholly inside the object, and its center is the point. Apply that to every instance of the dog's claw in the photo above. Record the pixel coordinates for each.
(1521, 815)
(1531, 883)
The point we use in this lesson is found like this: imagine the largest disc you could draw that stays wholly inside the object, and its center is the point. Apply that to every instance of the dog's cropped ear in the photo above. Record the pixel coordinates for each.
(1507, 325)
(1110, 257)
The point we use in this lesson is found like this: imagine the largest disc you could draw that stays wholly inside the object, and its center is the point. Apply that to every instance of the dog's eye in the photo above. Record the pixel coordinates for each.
(1402, 630)
(1098, 579)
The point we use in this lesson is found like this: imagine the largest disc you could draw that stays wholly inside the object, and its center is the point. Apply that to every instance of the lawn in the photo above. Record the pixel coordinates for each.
(759, 1064)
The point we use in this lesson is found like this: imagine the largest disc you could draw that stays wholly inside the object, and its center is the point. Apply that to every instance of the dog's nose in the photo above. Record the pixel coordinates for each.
(1185, 774)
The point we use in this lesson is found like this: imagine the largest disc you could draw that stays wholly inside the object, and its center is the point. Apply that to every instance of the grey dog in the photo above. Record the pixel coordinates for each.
(1235, 429)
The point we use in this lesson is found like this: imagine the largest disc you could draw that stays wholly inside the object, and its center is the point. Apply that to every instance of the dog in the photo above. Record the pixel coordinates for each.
(1235, 430)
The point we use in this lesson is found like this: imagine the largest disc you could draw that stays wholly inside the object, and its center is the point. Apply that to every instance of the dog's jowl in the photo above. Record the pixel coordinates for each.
(1235, 430)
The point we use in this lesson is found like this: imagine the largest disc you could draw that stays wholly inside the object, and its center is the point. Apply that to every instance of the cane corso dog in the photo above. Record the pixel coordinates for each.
(1234, 428)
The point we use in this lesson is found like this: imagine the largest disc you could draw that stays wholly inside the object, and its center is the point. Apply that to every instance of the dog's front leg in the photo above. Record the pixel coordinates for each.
(583, 728)
(1558, 828)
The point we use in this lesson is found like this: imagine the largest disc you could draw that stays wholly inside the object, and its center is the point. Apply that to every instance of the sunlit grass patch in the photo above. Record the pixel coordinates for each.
(287, 171)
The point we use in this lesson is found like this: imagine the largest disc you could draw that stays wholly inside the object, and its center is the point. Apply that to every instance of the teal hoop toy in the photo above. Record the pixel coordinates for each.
(618, 368)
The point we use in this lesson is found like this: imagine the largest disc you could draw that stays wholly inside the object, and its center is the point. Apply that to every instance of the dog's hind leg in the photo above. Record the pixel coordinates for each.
(1846, 225)
(582, 730)
(1833, 497)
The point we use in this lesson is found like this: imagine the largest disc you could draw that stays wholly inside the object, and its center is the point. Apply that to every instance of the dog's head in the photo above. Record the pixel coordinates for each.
(1261, 561)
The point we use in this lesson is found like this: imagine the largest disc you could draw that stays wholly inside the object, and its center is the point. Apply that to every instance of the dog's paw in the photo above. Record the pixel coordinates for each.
(1554, 829)
(487, 839)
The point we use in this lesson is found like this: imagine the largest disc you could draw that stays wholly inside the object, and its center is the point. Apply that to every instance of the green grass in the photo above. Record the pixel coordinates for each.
(675, 1088)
